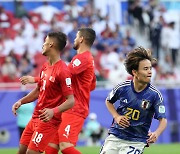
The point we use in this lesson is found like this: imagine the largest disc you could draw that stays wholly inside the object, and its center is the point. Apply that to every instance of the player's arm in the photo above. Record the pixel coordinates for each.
(47, 114)
(32, 96)
(153, 136)
(65, 82)
(120, 119)
(29, 79)
(160, 115)
(78, 65)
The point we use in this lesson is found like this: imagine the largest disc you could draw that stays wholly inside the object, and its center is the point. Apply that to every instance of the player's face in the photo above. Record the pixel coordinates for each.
(46, 46)
(144, 72)
(77, 41)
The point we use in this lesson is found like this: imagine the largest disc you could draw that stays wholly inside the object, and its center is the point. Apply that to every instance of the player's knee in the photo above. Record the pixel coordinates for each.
(64, 145)
(22, 149)
(55, 146)
(32, 152)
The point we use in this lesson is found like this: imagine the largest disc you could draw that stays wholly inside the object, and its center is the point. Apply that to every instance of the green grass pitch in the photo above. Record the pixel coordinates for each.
(153, 149)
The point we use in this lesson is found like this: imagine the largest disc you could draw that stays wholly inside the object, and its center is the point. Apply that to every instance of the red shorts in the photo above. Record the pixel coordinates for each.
(38, 134)
(69, 129)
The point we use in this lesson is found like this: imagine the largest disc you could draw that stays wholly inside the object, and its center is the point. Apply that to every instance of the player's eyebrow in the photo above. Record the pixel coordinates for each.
(146, 67)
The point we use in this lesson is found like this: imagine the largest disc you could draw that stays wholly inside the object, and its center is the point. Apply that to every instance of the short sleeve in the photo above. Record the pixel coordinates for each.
(40, 75)
(65, 81)
(159, 107)
(78, 64)
(113, 95)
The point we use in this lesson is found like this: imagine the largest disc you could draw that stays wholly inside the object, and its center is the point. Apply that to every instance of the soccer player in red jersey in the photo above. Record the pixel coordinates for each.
(54, 94)
(83, 81)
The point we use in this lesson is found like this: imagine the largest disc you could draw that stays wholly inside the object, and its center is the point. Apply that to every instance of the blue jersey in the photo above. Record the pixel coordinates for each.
(139, 107)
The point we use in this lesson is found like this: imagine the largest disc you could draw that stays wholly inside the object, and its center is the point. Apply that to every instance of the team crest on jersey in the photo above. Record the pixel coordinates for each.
(145, 104)
(76, 62)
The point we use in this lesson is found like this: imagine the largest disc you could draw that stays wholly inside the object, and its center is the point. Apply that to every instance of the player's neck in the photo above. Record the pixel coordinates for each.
(138, 87)
(53, 59)
(83, 49)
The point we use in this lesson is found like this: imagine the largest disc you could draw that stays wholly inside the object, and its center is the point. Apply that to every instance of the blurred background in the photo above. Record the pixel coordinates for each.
(120, 26)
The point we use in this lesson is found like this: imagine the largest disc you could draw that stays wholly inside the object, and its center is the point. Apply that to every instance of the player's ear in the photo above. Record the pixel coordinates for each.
(81, 39)
(51, 44)
(134, 72)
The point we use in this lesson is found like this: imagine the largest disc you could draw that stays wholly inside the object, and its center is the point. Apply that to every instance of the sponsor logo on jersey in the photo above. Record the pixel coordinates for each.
(162, 109)
(145, 104)
(76, 62)
(125, 101)
(65, 135)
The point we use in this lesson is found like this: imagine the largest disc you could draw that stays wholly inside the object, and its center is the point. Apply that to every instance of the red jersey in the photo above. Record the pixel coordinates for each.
(83, 81)
(55, 84)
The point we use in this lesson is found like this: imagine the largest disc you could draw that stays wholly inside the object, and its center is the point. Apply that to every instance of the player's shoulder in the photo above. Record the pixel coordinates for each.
(85, 55)
(61, 66)
(123, 84)
(153, 88)
(45, 65)
(154, 91)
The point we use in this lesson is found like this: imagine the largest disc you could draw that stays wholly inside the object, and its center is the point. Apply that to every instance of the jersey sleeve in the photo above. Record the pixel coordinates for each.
(65, 81)
(93, 85)
(78, 65)
(38, 79)
(113, 95)
(159, 107)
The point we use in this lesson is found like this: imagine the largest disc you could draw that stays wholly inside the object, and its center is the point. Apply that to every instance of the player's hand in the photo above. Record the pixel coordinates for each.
(46, 114)
(122, 121)
(27, 79)
(153, 136)
(15, 107)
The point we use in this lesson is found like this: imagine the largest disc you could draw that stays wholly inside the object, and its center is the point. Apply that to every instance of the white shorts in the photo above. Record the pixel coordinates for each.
(114, 145)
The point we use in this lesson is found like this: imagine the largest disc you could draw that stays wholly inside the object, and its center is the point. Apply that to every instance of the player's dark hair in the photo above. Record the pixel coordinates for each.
(88, 34)
(134, 57)
(60, 38)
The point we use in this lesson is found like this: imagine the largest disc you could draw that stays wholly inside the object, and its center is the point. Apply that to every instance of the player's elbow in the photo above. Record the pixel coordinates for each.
(71, 101)
(163, 122)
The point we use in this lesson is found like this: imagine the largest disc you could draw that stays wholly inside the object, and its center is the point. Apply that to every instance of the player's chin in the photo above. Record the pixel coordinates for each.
(44, 53)
(148, 80)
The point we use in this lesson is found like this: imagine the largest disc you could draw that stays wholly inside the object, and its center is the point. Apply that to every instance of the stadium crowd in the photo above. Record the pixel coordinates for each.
(22, 34)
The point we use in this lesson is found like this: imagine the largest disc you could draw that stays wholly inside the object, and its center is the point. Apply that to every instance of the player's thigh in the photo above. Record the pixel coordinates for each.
(27, 133)
(22, 149)
(70, 128)
(32, 152)
(54, 141)
(132, 148)
(42, 135)
(110, 146)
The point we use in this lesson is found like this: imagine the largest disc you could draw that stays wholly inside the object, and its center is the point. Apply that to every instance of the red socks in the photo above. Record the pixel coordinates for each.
(51, 150)
(70, 150)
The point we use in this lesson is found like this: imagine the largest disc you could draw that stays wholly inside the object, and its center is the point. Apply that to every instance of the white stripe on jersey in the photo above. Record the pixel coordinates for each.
(125, 83)
(153, 88)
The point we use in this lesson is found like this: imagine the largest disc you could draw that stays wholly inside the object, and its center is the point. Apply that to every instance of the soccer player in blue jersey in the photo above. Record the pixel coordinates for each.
(139, 101)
